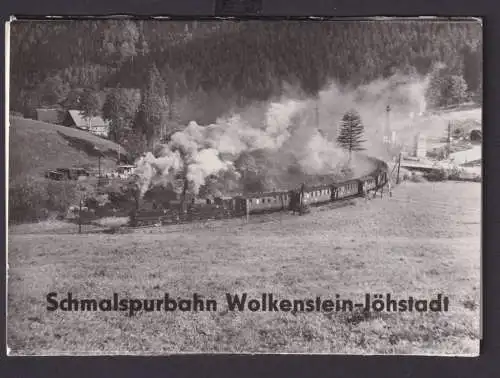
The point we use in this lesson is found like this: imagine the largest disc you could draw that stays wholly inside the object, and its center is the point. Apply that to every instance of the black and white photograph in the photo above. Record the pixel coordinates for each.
(236, 186)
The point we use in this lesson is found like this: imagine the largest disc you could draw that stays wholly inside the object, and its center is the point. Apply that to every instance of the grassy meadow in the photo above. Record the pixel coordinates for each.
(423, 241)
(54, 146)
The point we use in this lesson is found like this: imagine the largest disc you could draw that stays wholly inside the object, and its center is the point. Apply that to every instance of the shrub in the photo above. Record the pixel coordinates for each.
(121, 196)
(417, 177)
(458, 132)
(95, 200)
(405, 174)
(455, 173)
(33, 199)
(438, 153)
(442, 174)
(437, 175)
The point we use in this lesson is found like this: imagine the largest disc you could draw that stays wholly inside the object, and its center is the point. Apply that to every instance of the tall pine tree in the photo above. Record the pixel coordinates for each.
(89, 103)
(454, 90)
(119, 108)
(472, 68)
(351, 132)
(153, 110)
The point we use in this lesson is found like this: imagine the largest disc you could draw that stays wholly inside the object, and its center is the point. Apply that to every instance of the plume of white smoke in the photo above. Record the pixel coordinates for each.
(203, 164)
(246, 132)
(202, 151)
(298, 131)
(167, 166)
(151, 170)
(320, 156)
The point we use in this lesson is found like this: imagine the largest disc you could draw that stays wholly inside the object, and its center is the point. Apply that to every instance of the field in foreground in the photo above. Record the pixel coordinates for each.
(423, 241)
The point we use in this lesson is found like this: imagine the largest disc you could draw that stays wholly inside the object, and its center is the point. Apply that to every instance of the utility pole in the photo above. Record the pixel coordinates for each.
(247, 209)
(98, 151)
(399, 166)
(387, 131)
(301, 201)
(80, 217)
(82, 197)
(449, 139)
(118, 141)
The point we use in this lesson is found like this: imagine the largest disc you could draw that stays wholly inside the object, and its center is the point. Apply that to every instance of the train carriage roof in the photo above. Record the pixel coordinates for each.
(263, 194)
(367, 177)
(312, 188)
(341, 184)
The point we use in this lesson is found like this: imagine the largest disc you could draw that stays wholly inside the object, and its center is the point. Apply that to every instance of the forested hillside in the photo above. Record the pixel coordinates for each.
(266, 98)
(151, 76)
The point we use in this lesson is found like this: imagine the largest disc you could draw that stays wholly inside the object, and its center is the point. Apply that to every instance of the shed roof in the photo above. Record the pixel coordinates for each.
(48, 115)
(264, 194)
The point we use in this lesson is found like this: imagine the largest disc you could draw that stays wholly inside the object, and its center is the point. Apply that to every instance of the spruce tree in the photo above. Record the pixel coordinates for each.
(454, 90)
(119, 109)
(351, 132)
(434, 90)
(90, 105)
(153, 109)
(111, 112)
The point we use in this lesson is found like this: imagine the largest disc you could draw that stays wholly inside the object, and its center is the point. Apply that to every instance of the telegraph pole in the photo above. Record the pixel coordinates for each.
(449, 139)
(247, 209)
(399, 166)
(80, 217)
(82, 196)
(387, 130)
(301, 202)
(98, 151)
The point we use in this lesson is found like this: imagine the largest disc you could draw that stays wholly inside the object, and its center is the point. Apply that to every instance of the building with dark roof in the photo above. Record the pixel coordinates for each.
(95, 125)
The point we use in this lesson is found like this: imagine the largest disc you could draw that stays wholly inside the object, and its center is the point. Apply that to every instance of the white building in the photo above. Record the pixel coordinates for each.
(95, 125)
(420, 146)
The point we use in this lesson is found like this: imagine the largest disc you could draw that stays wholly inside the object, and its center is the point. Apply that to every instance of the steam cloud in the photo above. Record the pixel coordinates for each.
(296, 131)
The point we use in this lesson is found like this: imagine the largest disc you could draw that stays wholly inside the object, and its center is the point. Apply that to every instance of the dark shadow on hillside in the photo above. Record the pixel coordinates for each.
(91, 150)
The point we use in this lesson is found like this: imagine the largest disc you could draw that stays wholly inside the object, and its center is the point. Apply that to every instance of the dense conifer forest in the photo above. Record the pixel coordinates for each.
(143, 75)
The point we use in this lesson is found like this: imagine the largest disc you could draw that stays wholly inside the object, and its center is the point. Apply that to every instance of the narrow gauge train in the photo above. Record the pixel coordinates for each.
(300, 199)
(294, 200)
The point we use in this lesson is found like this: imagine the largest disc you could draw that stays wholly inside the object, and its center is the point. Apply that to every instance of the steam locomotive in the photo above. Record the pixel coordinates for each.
(298, 200)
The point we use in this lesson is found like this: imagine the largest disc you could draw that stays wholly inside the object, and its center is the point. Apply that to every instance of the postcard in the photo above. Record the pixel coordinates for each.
(303, 186)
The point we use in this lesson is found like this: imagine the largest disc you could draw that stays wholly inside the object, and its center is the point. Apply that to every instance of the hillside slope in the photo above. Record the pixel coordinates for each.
(36, 146)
